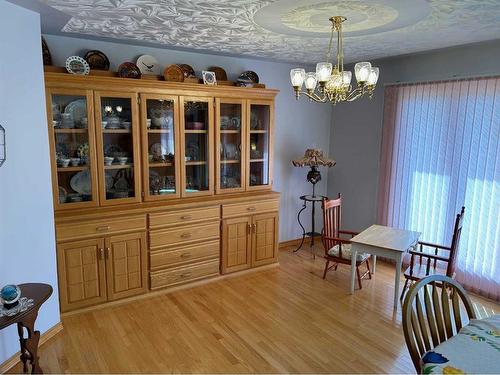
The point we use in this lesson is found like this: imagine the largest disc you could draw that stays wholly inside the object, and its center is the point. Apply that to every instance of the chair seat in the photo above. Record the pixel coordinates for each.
(419, 272)
(346, 253)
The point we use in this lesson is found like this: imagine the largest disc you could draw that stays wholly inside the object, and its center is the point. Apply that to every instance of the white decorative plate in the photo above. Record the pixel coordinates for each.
(147, 64)
(81, 182)
(78, 109)
(77, 65)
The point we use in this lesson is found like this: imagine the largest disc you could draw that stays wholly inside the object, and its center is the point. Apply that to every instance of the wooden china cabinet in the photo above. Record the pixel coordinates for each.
(158, 184)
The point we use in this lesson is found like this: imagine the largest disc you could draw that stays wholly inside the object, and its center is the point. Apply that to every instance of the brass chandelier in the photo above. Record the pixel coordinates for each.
(332, 83)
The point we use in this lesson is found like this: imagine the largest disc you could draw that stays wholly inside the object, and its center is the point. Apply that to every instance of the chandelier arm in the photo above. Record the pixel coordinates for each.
(315, 97)
(355, 94)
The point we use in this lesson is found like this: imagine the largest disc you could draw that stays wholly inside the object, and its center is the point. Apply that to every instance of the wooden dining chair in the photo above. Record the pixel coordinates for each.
(337, 249)
(428, 319)
(424, 263)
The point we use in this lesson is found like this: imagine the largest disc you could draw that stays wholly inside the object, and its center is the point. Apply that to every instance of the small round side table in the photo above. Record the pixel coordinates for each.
(39, 293)
(313, 199)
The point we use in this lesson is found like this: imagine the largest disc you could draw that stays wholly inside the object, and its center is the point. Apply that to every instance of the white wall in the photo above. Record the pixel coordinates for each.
(27, 243)
(356, 133)
(299, 125)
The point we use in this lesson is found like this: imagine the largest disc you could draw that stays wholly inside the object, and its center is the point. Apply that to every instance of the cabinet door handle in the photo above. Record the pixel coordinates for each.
(102, 228)
(100, 253)
(186, 235)
(254, 227)
(251, 208)
(184, 275)
(108, 251)
(249, 228)
(185, 255)
(186, 217)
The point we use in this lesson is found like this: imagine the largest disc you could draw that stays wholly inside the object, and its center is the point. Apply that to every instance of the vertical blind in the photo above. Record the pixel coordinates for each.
(440, 151)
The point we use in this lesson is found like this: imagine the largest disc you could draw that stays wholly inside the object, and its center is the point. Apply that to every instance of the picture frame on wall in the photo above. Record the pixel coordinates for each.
(209, 78)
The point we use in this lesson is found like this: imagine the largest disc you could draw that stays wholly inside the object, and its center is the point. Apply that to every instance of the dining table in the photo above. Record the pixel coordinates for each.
(384, 241)
(475, 349)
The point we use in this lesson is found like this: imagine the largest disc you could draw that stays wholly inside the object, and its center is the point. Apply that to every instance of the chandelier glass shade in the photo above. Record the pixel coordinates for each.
(331, 83)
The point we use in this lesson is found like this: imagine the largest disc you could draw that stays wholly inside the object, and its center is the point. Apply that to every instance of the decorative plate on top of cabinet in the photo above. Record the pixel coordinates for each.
(97, 60)
(173, 73)
(77, 65)
(220, 73)
(187, 70)
(129, 70)
(148, 64)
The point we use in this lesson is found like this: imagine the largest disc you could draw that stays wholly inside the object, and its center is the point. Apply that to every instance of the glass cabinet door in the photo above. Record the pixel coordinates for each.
(197, 146)
(260, 120)
(230, 147)
(160, 144)
(71, 130)
(118, 147)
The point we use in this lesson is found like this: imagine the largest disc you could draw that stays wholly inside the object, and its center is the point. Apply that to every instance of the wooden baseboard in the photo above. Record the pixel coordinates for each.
(44, 337)
(295, 242)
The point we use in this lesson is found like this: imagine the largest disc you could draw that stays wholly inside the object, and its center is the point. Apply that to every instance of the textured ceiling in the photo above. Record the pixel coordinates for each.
(287, 30)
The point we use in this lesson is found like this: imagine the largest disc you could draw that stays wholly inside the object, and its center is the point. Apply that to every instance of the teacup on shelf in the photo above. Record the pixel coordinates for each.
(126, 125)
(108, 160)
(122, 160)
(148, 123)
(104, 124)
(64, 162)
(75, 162)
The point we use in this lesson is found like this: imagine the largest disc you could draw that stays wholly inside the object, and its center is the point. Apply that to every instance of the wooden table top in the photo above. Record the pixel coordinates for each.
(36, 291)
(387, 238)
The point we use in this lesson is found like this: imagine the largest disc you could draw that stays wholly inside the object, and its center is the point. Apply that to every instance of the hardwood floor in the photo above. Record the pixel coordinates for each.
(285, 319)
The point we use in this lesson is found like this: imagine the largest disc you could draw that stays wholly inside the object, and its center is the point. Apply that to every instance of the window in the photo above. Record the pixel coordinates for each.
(440, 150)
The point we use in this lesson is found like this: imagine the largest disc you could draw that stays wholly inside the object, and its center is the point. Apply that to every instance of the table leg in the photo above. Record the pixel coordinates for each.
(354, 253)
(29, 345)
(399, 261)
(374, 263)
(304, 206)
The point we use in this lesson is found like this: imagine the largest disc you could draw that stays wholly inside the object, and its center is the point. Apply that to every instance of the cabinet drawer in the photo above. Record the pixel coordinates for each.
(159, 220)
(184, 274)
(100, 227)
(187, 254)
(184, 235)
(240, 209)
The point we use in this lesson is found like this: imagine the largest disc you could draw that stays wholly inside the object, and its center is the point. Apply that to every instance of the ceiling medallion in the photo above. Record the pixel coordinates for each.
(334, 82)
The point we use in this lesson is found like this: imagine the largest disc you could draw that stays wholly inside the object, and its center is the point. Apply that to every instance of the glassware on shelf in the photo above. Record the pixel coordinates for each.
(72, 151)
(259, 144)
(230, 138)
(118, 147)
(196, 144)
(160, 125)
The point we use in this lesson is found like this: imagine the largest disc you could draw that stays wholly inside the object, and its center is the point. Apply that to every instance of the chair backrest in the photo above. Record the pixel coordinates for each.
(455, 242)
(332, 214)
(428, 319)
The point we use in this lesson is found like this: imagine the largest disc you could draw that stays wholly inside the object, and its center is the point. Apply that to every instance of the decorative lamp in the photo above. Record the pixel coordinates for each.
(3, 151)
(313, 158)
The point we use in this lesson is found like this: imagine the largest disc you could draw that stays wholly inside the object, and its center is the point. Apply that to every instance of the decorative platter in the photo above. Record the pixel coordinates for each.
(148, 64)
(97, 60)
(77, 65)
(158, 150)
(78, 109)
(173, 73)
(220, 73)
(129, 70)
(249, 76)
(81, 182)
(187, 70)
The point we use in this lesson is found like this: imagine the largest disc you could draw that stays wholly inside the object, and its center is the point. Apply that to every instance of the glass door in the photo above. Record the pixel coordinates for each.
(160, 143)
(260, 123)
(197, 145)
(117, 129)
(71, 135)
(230, 148)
